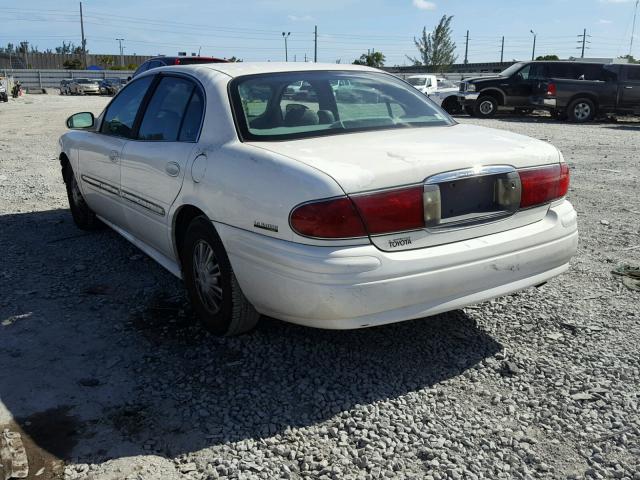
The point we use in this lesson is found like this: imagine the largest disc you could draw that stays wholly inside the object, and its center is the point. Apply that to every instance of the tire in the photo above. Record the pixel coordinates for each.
(216, 297)
(83, 216)
(581, 110)
(485, 107)
(452, 106)
(469, 111)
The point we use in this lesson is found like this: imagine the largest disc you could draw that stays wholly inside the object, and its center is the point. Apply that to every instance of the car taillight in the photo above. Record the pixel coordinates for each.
(335, 218)
(176, 61)
(544, 184)
(392, 210)
(552, 90)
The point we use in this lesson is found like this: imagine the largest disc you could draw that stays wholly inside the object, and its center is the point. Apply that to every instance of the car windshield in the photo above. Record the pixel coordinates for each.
(85, 80)
(417, 81)
(444, 83)
(512, 69)
(267, 108)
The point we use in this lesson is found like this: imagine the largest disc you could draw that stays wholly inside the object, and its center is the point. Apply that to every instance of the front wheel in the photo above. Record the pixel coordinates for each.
(211, 283)
(452, 106)
(83, 216)
(485, 107)
(581, 110)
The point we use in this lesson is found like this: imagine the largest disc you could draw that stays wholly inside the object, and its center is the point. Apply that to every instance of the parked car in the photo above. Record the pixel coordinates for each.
(514, 87)
(326, 214)
(111, 86)
(84, 86)
(4, 87)
(617, 91)
(64, 86)
(441, 90)
(157, 62)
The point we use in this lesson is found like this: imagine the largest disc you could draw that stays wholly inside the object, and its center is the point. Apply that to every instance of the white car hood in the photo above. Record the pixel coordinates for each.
(387, 158)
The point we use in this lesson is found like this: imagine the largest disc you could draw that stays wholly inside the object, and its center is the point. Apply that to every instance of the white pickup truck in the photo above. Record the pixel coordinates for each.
(439, 89)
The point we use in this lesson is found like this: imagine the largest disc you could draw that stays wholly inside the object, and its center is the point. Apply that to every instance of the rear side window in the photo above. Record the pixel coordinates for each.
(192, 118)
(167, 108)
(121, 113)
(633, 73)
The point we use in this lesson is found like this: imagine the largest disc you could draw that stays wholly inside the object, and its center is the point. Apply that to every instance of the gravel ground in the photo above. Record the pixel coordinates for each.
(107, 377)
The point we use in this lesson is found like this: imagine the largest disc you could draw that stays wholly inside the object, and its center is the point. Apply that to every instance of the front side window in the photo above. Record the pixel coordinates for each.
(121, 113)
(327, 103)
(163, 117)
(633, 73)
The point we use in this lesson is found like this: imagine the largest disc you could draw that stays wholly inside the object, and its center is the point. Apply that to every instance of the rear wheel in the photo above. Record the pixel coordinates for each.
(485, 107)
(211, 284)
(581, 110)
(83, 216)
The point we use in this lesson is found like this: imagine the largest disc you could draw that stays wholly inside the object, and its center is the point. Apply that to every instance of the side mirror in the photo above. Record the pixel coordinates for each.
(129, 78)
(82, 120)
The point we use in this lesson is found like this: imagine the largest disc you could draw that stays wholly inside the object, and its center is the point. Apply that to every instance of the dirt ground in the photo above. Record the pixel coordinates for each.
(106, 375)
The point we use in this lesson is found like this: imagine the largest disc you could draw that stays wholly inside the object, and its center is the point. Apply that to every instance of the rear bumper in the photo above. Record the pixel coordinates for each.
(361, 286)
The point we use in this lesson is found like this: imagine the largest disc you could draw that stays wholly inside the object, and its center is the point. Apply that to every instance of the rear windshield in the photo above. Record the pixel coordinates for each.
(195, 60)
(282, 106)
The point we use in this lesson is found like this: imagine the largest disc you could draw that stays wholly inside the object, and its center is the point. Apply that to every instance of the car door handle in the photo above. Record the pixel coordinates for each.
(504, 84)
(114, 156)
(628, 87)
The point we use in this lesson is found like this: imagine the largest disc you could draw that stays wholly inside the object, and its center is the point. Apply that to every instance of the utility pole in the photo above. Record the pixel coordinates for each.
(583, 41)
(633, 30)
(502, 50)
(84, 42)
(315, 45)
(533, 52)
(286, 51)
(466, 49)
(120, 40)
(25, 49)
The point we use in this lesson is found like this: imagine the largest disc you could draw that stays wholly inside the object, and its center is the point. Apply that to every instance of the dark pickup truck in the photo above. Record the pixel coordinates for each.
(616, 91)
(514, 87)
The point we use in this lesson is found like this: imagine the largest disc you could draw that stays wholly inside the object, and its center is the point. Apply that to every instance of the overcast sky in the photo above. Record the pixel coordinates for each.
(252, 30)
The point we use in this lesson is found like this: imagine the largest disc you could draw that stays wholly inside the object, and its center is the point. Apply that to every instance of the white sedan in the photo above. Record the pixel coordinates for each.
(336, 211)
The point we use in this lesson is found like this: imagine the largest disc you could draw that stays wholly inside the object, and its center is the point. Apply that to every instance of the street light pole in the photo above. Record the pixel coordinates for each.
(533, 52)
(286, 52)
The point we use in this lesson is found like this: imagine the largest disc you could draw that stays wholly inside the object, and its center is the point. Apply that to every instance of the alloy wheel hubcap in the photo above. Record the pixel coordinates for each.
(486, 107)
(208, 277)
(582, 111)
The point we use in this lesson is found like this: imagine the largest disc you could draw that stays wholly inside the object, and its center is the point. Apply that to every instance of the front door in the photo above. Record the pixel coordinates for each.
(521, 85)
(154, 163)
(101, 153)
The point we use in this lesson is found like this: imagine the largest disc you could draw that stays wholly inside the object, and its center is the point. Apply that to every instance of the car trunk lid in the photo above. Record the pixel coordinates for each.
(471, 172)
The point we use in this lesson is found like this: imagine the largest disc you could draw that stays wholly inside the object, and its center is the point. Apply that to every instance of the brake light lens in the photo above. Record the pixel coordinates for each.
(543, 185)
(176, 61)
(392, 211)
(552, 90)
(335, 218)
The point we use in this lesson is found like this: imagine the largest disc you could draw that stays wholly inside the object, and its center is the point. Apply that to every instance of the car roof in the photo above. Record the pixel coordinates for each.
(253, 68)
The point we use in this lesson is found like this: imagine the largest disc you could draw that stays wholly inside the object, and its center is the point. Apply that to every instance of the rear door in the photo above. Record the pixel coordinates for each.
(629, 88)
(99, 157)
(154, 162)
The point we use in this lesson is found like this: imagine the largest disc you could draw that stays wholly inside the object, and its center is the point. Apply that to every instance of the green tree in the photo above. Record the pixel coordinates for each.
(371, 59)
(548, 57)
(437, 48)
(630, 58)
(74, 64)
